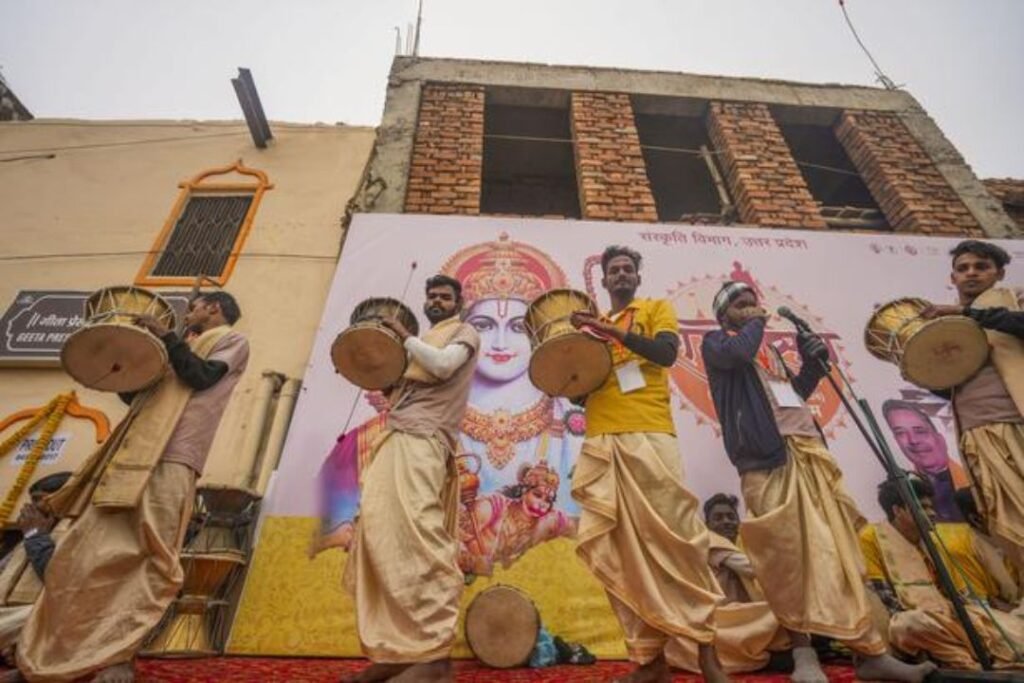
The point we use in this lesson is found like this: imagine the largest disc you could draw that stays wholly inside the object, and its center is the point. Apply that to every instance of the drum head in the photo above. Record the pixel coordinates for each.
(113, 357)
(369, 356)
(944, 353)
(570, 365)
(501, 627)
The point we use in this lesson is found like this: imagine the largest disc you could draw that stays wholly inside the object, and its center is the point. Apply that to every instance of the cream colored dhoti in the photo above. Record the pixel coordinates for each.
(995, 455)
(802, 543)
(403, 570)
(12, 621)
(110, 579)
(641, 536)
(936, 631)
(746, 633)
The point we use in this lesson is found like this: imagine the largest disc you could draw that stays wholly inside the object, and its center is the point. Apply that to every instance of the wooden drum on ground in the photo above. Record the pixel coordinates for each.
(502, 625)
(933, 354)
(564, 361)
(367, 353)
(110, 352)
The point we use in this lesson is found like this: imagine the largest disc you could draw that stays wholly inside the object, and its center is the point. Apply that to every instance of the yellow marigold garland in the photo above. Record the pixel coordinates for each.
(53, 413)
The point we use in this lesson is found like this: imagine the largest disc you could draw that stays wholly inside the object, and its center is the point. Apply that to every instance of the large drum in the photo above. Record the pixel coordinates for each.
(502, 625)
(934, 354)
(564, 361)
(110, 352)
(367, 353)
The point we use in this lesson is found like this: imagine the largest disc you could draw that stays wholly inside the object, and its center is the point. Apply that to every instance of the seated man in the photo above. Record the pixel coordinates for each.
(921, 618)
(1006, 576)
(22, 575)
(748, 631)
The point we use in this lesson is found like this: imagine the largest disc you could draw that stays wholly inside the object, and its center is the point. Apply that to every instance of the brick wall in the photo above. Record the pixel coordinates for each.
(762, 175)
(1010, 193)
(904, 181)
(610, 167)
(447, 155)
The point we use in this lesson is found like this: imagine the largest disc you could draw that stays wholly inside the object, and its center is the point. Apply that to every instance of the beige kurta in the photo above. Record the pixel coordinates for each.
(641, 536)
(109, 581)
(801, 540)
(993, 449)
(402, 569)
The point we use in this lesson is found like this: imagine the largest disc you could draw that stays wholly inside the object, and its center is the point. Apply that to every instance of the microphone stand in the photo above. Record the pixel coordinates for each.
(879, 446)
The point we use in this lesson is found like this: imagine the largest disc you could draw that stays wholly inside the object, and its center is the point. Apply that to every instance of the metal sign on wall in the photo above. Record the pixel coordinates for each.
(36, 324)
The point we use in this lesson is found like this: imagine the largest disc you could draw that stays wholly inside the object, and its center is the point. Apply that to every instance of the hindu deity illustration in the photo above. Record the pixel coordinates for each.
(513, 435)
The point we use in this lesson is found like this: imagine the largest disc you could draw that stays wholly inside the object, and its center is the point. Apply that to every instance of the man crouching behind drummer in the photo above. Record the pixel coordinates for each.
(116, 570)
(640, 532)
(402, 569)
(989, 407)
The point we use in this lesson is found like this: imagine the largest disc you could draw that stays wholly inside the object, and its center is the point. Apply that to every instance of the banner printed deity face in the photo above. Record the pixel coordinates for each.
(510, 425)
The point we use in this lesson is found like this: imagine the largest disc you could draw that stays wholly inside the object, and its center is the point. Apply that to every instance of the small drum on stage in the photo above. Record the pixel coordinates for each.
(502, 625)
(110, 352)
(564, 361)
(367, 353)
(933, 354)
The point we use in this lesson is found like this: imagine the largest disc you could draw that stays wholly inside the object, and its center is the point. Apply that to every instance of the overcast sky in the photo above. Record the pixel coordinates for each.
(327, 60)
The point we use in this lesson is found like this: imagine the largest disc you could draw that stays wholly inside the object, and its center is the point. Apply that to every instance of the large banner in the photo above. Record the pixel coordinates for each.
(518, 446)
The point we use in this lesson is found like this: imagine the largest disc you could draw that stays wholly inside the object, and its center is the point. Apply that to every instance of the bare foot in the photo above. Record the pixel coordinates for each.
(375, 672)
(654, 671)
(119, 673)
(806, 667)
(888, 668)
(710, 667)
(439, 671)
(12, 676)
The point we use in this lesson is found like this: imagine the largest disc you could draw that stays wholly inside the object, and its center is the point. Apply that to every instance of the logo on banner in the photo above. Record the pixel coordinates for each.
(692, 301)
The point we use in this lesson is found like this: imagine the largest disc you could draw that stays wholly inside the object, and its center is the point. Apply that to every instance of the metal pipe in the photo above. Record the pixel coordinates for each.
(278, 431)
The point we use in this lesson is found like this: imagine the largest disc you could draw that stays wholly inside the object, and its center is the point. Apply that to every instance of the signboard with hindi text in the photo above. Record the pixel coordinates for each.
(38, 322)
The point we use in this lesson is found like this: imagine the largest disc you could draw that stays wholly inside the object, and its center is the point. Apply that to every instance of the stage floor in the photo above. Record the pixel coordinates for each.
(238, 669)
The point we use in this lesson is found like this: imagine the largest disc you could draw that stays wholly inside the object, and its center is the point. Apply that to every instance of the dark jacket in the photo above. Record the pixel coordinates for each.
(751, 436)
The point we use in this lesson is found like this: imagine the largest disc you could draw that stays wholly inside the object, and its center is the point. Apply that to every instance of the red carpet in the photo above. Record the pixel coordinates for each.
(266, 669)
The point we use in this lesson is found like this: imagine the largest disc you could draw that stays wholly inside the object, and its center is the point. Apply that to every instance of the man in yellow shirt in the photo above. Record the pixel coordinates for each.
(640, 531)
(921, 618)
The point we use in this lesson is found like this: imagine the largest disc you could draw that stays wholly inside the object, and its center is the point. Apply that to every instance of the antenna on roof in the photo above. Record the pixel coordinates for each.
(419, 24)
(880, 76)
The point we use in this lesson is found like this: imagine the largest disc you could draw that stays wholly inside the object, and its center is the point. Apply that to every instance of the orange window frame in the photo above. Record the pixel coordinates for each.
(205, 183)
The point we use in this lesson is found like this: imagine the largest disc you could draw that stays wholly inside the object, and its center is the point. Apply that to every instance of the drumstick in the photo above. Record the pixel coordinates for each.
(405, 290)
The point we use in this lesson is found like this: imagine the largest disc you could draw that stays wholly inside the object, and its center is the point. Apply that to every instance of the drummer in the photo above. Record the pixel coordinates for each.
(989, 407)
(141, 501)
(403, 570)
(628, 481)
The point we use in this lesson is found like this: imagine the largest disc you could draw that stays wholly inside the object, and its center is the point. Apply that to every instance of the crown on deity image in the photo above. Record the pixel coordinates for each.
(503, 269)
(537, 475)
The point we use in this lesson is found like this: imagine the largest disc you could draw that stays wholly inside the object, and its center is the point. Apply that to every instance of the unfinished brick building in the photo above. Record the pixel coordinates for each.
(474, 137)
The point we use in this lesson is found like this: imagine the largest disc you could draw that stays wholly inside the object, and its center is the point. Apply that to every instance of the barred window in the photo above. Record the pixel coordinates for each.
(206, 229)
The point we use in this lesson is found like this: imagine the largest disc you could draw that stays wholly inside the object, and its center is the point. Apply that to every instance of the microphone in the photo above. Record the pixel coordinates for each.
(800, 324)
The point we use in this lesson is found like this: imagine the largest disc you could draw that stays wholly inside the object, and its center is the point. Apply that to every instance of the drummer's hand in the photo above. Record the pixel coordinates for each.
(939, 310)
(150, 323)
(396, 327)
(581, 318)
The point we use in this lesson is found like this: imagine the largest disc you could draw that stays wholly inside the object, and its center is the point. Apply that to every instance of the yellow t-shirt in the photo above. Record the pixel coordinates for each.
(874, 565)
(609, 411)
(959, 541)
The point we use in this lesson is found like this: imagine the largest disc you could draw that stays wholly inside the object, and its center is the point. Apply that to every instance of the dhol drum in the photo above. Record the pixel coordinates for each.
(195, 625)
(933, 354)
(367, 353)
(502, 625)
(110, 352)
(564, 361)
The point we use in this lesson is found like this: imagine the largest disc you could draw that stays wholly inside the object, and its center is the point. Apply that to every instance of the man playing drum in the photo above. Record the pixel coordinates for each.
(115, 572)
(403, 570)
(801, 538)
(640, 532)
(989, 407)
